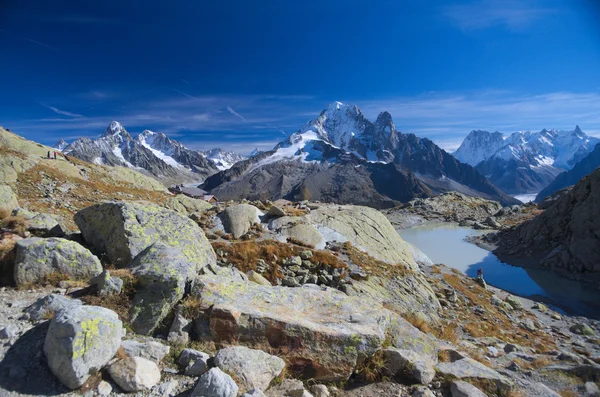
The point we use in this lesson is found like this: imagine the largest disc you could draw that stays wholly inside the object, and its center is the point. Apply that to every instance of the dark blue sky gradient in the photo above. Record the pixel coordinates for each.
(240, 74)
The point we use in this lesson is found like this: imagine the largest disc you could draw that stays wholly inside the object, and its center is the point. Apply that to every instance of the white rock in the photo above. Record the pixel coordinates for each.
(135, 374)
(165, 389)
(319, 391)
(104, 388)
(254, 368)
(9, 332)
(215, 383)
(464, 389)
(150, 350)
(254, 393)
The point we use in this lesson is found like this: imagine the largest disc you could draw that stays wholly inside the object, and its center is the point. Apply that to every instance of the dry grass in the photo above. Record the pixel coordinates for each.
(121, 303)
(16, 224)
(568, 393)
(446, 330)
(537, 363)
(244, 255)
(435, 269)
(371, 369)
(418, 322)
(191, 307)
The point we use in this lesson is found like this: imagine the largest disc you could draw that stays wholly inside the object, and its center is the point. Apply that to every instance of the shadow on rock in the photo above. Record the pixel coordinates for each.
(24, 368)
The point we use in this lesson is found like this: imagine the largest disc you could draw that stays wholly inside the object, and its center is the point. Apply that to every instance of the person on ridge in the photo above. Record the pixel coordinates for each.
(48, 153)
(54, 155)
(480, 273)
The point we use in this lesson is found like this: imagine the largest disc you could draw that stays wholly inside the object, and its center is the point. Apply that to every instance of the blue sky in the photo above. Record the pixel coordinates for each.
(243, 74)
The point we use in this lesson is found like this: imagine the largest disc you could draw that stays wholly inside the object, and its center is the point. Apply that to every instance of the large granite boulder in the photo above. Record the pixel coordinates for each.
(123, 230)
(8, 198)
(254, 369)
(50, 305)
(322, 333)
(80, 342)
(187, 205)
(162, 272)
(134, 374)
(365, 228)
(237, 219)
(37, 258)
(215, 383)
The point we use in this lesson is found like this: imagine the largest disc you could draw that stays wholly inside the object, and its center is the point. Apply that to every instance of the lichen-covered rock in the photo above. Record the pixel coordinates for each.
(254, 369)
(123, 230)
(237, 219)
(189, 356)
(406, 362)
(467, 368)
(582, 329)
(323, 333)
(81, 341)
(162, 272)
(37, 258)
(8, 198)
(365, 228)
(134, 374)
(514, 302)
(107, 285)
(215, 383)
(50, 306)
(187, 205)
(257, 278)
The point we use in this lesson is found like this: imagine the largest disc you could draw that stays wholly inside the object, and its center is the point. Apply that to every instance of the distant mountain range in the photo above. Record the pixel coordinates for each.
(524, 162)
(152, 153)
(343, 157)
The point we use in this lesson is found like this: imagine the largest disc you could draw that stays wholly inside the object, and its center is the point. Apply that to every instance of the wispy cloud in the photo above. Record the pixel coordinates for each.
(482, 14)
(236, 114)
(184, 93)
(62, 112)
(39, 43)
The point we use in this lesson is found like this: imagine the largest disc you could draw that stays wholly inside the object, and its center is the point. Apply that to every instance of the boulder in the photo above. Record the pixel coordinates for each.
(38, 258)
(190, 356)
(289, 387)
(187, 205)
(237, 219)
(8, 198)
(257, 278)
(215, 383)
(42, 225)
(514, 302)
(150, 350)
(134, 374)
(276, 212)
(123, 230)
(319, 391)
(254, 369)
(422, 391)
(162, 272)
(179, 333)
(254, 393)
(323, 332)
(582, 329)
(464, 389)
(400, 362)
(80, 342)
(297, 229)
(467, 368)
(366, 229)
(107, 285)
(104, 388)
(50, 306)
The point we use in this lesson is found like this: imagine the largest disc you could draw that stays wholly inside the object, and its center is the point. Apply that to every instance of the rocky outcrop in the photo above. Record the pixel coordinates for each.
(326, 335)
(162, 272)
(366, 229)
(123, 230)
(565, 236)
(254, 369)
(80, 342)
(38, 258)
(237, 219)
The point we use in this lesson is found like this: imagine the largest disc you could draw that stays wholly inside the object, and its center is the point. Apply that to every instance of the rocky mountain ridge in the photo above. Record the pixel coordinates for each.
(525, 161)
(568, 178)
(318, 161)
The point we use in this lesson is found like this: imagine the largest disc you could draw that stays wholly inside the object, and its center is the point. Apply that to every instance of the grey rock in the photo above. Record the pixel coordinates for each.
(255, 369)
(297, 229)
(198, 367)
(422, 391)
(162, 272)
(258, 278)
(591, 389)
(319, 391)
(237, 219)
(514, 302)
(150, 350)
(275, 212)
(134, 374)
(107, 285)
(306, 255)
(8, 198)
(189, 356)
(492, 222)
(80, 342)
(582, 329)
(9, 332)
(166, 389)
(49, 306)
(397, 361)
(215, 383)
(38, 258)
(123, 230)
(104, 389)
(179, 333)
(468, 368)
(254, 393)
(42, 225)
(464, 389)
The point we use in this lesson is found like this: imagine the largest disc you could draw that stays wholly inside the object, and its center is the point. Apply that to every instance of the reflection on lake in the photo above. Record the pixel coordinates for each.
(445, 243)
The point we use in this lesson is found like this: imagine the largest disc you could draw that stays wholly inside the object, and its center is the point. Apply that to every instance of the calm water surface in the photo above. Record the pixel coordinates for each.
(445, 243)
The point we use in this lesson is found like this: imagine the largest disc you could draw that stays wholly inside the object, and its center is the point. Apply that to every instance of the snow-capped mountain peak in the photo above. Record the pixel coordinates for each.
(61, 145)
(479, 145)
(338, 124)
(222, 159)
(116, 130)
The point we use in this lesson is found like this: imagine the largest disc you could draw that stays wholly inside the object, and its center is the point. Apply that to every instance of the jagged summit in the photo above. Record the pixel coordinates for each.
(60, 145)
(115, 129)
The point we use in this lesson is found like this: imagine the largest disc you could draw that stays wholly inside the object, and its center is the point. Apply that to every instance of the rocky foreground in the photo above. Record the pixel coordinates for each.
(130, 291)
